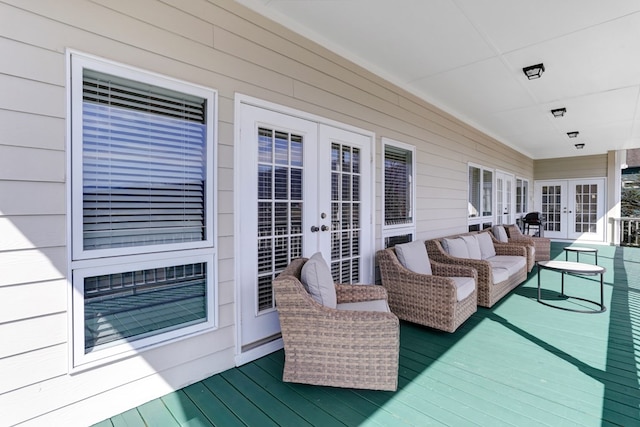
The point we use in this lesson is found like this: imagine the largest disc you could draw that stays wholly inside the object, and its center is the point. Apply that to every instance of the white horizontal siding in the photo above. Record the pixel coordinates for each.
(32, 300)
(32, 231)
(31, 164)
(31, 130)
(31, 266)
(572, 167)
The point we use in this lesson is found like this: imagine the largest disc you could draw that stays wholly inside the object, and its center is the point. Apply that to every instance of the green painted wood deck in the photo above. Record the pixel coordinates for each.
(519, 363)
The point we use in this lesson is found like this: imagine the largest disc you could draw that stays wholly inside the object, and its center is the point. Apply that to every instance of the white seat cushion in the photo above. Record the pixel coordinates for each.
(499, 274)
(473, 247)
(464, 286)
(487, 249)
(374, 305)
(413, 256)
(317, 280)
(511, 263)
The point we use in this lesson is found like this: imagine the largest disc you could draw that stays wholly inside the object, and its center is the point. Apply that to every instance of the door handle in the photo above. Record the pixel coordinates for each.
(314, 229)
(324, 228)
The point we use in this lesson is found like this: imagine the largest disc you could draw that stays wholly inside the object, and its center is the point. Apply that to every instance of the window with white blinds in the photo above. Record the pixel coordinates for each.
(398, 185)
(399, 190)
(144, 156)
(143, 253)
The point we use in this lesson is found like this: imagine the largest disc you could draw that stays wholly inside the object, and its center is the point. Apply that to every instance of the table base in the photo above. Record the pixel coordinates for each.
(562, 294)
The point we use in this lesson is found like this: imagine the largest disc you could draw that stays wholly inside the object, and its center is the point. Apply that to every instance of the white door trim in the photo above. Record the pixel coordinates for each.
(239, 100)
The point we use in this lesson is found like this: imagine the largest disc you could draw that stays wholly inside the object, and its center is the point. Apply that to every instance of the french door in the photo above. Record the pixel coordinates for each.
(505, 200)
(572, 209)
(304, 187)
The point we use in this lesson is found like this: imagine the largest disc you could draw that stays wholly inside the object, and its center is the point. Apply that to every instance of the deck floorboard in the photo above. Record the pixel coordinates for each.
(519, 363)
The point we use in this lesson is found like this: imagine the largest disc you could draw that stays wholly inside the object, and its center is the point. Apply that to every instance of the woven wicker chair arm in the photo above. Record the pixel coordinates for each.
(338, 318)
(452, 270)
(291, 296)
(546, 240)
(521, 239)
(355, 293)
(510, 249)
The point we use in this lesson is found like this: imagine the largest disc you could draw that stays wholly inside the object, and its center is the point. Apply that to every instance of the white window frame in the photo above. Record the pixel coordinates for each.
(407, 228)
(523, 208)
(482, 220)
(89, 263)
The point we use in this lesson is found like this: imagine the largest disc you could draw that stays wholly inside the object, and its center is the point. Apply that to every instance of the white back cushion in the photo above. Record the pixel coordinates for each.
(413, 256)
(316, 278)
(487, 249)
(473, 247)
(456, 247)
(500, 233)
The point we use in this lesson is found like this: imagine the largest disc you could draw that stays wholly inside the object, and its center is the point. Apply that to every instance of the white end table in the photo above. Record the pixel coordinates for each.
(578, 250)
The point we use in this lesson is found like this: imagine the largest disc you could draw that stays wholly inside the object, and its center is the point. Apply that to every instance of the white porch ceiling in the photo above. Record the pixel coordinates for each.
(466, 57)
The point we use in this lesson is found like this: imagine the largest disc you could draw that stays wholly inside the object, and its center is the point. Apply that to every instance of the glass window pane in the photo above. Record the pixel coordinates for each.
(143, 165)
(119, 307)
(398, 188)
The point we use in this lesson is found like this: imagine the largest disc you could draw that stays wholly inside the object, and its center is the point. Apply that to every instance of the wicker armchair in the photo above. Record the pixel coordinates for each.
(428, 300)
(542, 244)
(332, 347)
(489, 292)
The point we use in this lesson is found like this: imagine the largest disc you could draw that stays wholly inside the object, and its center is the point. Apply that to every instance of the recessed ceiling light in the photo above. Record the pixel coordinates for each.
(534, 71)
(579, 146)
(573, 134)
(559, 112)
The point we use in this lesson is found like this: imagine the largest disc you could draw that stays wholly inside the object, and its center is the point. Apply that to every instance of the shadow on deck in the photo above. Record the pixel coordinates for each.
(518, 363)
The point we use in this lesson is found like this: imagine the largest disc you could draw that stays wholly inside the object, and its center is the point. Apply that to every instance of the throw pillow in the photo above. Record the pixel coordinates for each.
(500, 233)
(317, 280)
(413, 256)
(487, 250)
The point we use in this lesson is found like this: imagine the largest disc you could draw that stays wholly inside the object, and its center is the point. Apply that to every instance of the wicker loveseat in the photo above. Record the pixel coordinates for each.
(493, 283)
(499, 235)
(333, 347)
(542, 244)
(429, 300)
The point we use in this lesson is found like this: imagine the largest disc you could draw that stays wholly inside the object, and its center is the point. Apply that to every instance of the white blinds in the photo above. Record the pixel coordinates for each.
(397, 186)
(144, 163)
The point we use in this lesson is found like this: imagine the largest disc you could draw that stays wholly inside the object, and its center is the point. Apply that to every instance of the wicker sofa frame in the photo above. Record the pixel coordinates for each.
(331, 347)
(489, 292)
(542, 244)
(428, 300)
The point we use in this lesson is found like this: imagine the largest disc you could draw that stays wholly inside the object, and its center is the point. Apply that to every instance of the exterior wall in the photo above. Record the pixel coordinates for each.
(571, 167)
(218, 44)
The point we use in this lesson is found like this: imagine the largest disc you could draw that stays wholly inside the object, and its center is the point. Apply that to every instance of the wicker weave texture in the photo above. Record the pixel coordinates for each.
(542, 244)
(489, 292)
(428, 300)
(339, 348)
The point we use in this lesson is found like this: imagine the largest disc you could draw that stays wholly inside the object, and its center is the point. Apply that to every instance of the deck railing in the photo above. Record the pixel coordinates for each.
(629, 229)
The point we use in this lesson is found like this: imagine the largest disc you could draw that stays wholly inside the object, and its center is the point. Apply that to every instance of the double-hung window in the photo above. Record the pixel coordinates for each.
(142, 209)
(399, 192)
(480, 204)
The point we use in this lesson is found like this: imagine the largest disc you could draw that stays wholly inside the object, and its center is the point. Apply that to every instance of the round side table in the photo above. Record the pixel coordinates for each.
(578, 250)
